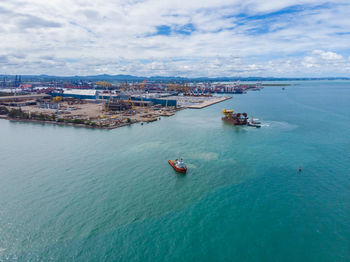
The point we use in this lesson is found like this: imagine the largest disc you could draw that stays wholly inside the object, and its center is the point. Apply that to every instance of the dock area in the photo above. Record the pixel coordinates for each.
(200, 102)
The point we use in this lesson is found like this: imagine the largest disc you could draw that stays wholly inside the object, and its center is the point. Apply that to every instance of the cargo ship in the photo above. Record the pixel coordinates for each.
(238, 119)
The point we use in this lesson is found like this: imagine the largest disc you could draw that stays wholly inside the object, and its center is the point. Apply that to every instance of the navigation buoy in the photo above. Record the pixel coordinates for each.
(299, 168)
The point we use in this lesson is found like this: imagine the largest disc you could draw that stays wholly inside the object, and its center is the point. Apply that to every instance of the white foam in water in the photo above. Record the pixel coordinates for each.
(277, 124)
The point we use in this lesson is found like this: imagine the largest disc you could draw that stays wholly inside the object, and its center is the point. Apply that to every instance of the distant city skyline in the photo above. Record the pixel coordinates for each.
(303, 38)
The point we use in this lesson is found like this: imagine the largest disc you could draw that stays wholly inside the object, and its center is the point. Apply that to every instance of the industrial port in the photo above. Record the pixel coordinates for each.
(108, 105)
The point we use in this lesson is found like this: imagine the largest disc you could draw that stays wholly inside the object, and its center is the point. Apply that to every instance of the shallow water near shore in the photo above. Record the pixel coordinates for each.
(87, 195)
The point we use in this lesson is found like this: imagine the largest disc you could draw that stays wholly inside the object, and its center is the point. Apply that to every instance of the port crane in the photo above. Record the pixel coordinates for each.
(142, 87)
(125, 87)
(106, 85)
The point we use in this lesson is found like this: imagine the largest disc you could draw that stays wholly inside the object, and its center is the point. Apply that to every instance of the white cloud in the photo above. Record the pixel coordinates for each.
(119, 36)
(331, 56)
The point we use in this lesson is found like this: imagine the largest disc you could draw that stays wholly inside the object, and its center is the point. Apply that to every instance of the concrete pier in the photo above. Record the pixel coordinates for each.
(209, 102)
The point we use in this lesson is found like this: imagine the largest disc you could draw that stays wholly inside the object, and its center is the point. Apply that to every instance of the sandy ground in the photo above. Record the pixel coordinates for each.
(84, 111)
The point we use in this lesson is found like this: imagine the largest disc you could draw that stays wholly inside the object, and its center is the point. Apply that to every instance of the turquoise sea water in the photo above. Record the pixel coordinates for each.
(109, 195)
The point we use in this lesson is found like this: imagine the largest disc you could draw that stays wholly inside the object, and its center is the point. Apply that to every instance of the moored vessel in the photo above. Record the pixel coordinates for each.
(235, 118)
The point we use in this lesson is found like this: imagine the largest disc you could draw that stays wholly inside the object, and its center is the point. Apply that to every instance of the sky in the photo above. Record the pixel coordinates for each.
(188, 38)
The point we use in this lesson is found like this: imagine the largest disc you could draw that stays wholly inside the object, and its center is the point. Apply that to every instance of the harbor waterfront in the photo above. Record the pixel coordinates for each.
(79, 194)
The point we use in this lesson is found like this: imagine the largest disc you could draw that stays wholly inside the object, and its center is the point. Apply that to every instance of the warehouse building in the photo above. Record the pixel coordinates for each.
(77, 93)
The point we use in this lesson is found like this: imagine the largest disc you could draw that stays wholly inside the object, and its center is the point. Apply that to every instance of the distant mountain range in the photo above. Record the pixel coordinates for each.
(130, 78)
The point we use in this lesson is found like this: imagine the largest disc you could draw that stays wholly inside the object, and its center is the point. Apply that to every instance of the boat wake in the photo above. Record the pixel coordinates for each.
(280, 125)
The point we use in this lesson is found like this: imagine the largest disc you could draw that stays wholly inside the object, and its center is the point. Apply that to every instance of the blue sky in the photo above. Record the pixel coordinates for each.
(176, 38)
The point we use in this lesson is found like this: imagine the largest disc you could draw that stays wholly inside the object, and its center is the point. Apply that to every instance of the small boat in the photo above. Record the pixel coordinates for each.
(253, 123)
(178, 165)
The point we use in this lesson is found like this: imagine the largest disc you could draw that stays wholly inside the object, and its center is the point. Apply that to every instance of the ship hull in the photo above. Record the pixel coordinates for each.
(235, 121)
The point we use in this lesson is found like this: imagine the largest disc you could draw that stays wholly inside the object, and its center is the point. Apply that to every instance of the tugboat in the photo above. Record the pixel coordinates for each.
(178, 165)
(253, 123)
(239, 119)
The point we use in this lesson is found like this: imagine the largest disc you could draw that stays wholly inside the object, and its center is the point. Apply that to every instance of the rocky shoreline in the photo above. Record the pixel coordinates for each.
(65, 124)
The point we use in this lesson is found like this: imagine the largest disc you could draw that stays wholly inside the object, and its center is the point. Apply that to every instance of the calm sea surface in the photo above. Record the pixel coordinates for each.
(110, 195)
